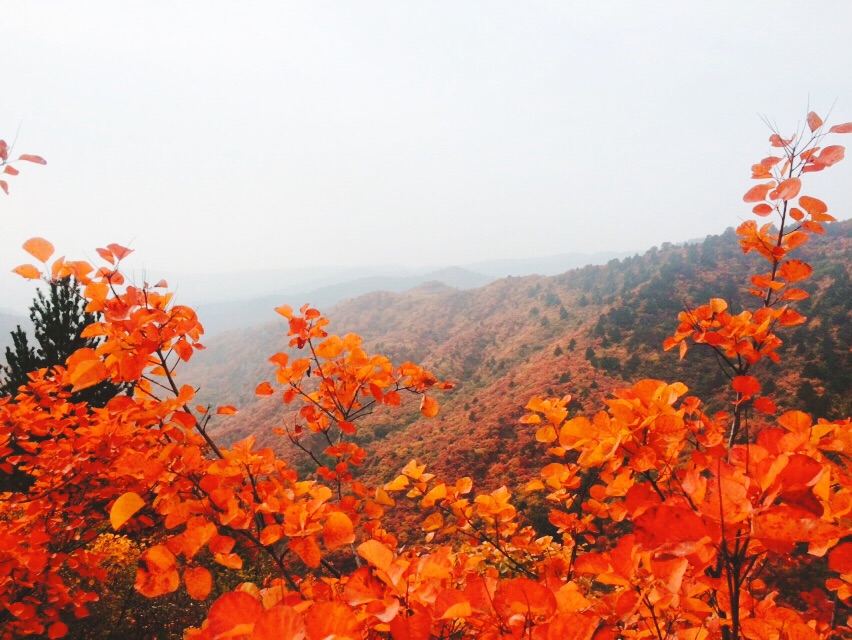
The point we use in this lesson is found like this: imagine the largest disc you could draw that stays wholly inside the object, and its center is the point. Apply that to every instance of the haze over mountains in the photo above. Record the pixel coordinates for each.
(244, 300)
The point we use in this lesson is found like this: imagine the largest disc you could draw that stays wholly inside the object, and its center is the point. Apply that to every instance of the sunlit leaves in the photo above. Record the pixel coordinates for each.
(158, 575)
(338, 531)
(27, 271)
(39, 248)
(124, 507)
(428, 406)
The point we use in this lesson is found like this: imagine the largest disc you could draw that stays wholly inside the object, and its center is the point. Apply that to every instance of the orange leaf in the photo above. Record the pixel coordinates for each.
(286, 311)
(414, 627)
(124, 508)
(27, 271)
(307, 549)
(830, 155)
(338, 531)
(376, 554)
(85, 369)
(795, 271)
(795, 421)
(264, 389)
(758, 193)
(226, 410)
(778, 141)
(428, 406)
(813, 206)
(763, 209)
(572, 626)
(789, 189)
(159, 575)
(198, 582)
(330, 348)
(814, 121)
(5, 186)
(39, 248)
(236, 611)
(281, 622)
(118, 251)
(332, 620)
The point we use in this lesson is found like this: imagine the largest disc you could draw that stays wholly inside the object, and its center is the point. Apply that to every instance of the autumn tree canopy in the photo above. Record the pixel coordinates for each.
(671, 523)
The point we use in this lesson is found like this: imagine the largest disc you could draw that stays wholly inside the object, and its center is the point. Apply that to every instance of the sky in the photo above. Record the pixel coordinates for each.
(228, 136)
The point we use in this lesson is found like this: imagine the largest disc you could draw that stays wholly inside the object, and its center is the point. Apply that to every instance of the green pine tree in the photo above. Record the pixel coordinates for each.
(58, 319)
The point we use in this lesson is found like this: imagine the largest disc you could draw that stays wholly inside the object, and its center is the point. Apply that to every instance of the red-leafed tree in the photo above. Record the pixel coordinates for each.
(672, 523)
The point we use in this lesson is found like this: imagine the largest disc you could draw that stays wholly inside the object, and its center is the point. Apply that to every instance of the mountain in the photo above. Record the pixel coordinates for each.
(584, 332)
(237, 314)
(547, 266)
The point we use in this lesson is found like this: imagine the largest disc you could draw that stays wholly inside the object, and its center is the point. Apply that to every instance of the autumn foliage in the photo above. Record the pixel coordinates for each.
(669, 523)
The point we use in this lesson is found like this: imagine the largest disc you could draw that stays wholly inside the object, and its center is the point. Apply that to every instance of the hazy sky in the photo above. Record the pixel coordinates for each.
(216, 136)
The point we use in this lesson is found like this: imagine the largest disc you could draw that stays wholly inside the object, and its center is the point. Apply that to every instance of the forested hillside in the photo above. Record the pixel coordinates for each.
(584, 333)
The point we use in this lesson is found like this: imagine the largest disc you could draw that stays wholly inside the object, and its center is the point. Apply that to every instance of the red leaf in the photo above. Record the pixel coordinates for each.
(764, 405)
(840, 558)
(814, 121)
(30, 158)
(841, 128)
(5, 186)
(746, 385)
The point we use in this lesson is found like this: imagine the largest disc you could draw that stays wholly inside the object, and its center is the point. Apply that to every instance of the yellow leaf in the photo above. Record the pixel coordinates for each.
(124, 508)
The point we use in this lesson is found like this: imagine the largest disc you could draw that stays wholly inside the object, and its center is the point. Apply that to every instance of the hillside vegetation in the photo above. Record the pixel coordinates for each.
(584, 333)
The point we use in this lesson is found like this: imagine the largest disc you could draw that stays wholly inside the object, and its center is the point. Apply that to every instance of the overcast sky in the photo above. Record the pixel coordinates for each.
(214, 136)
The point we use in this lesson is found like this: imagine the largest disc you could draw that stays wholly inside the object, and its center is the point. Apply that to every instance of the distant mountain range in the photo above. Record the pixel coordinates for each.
(240, 300)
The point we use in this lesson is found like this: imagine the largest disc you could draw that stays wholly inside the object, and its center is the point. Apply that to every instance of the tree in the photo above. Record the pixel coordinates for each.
(669, 523)
(58, 319)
